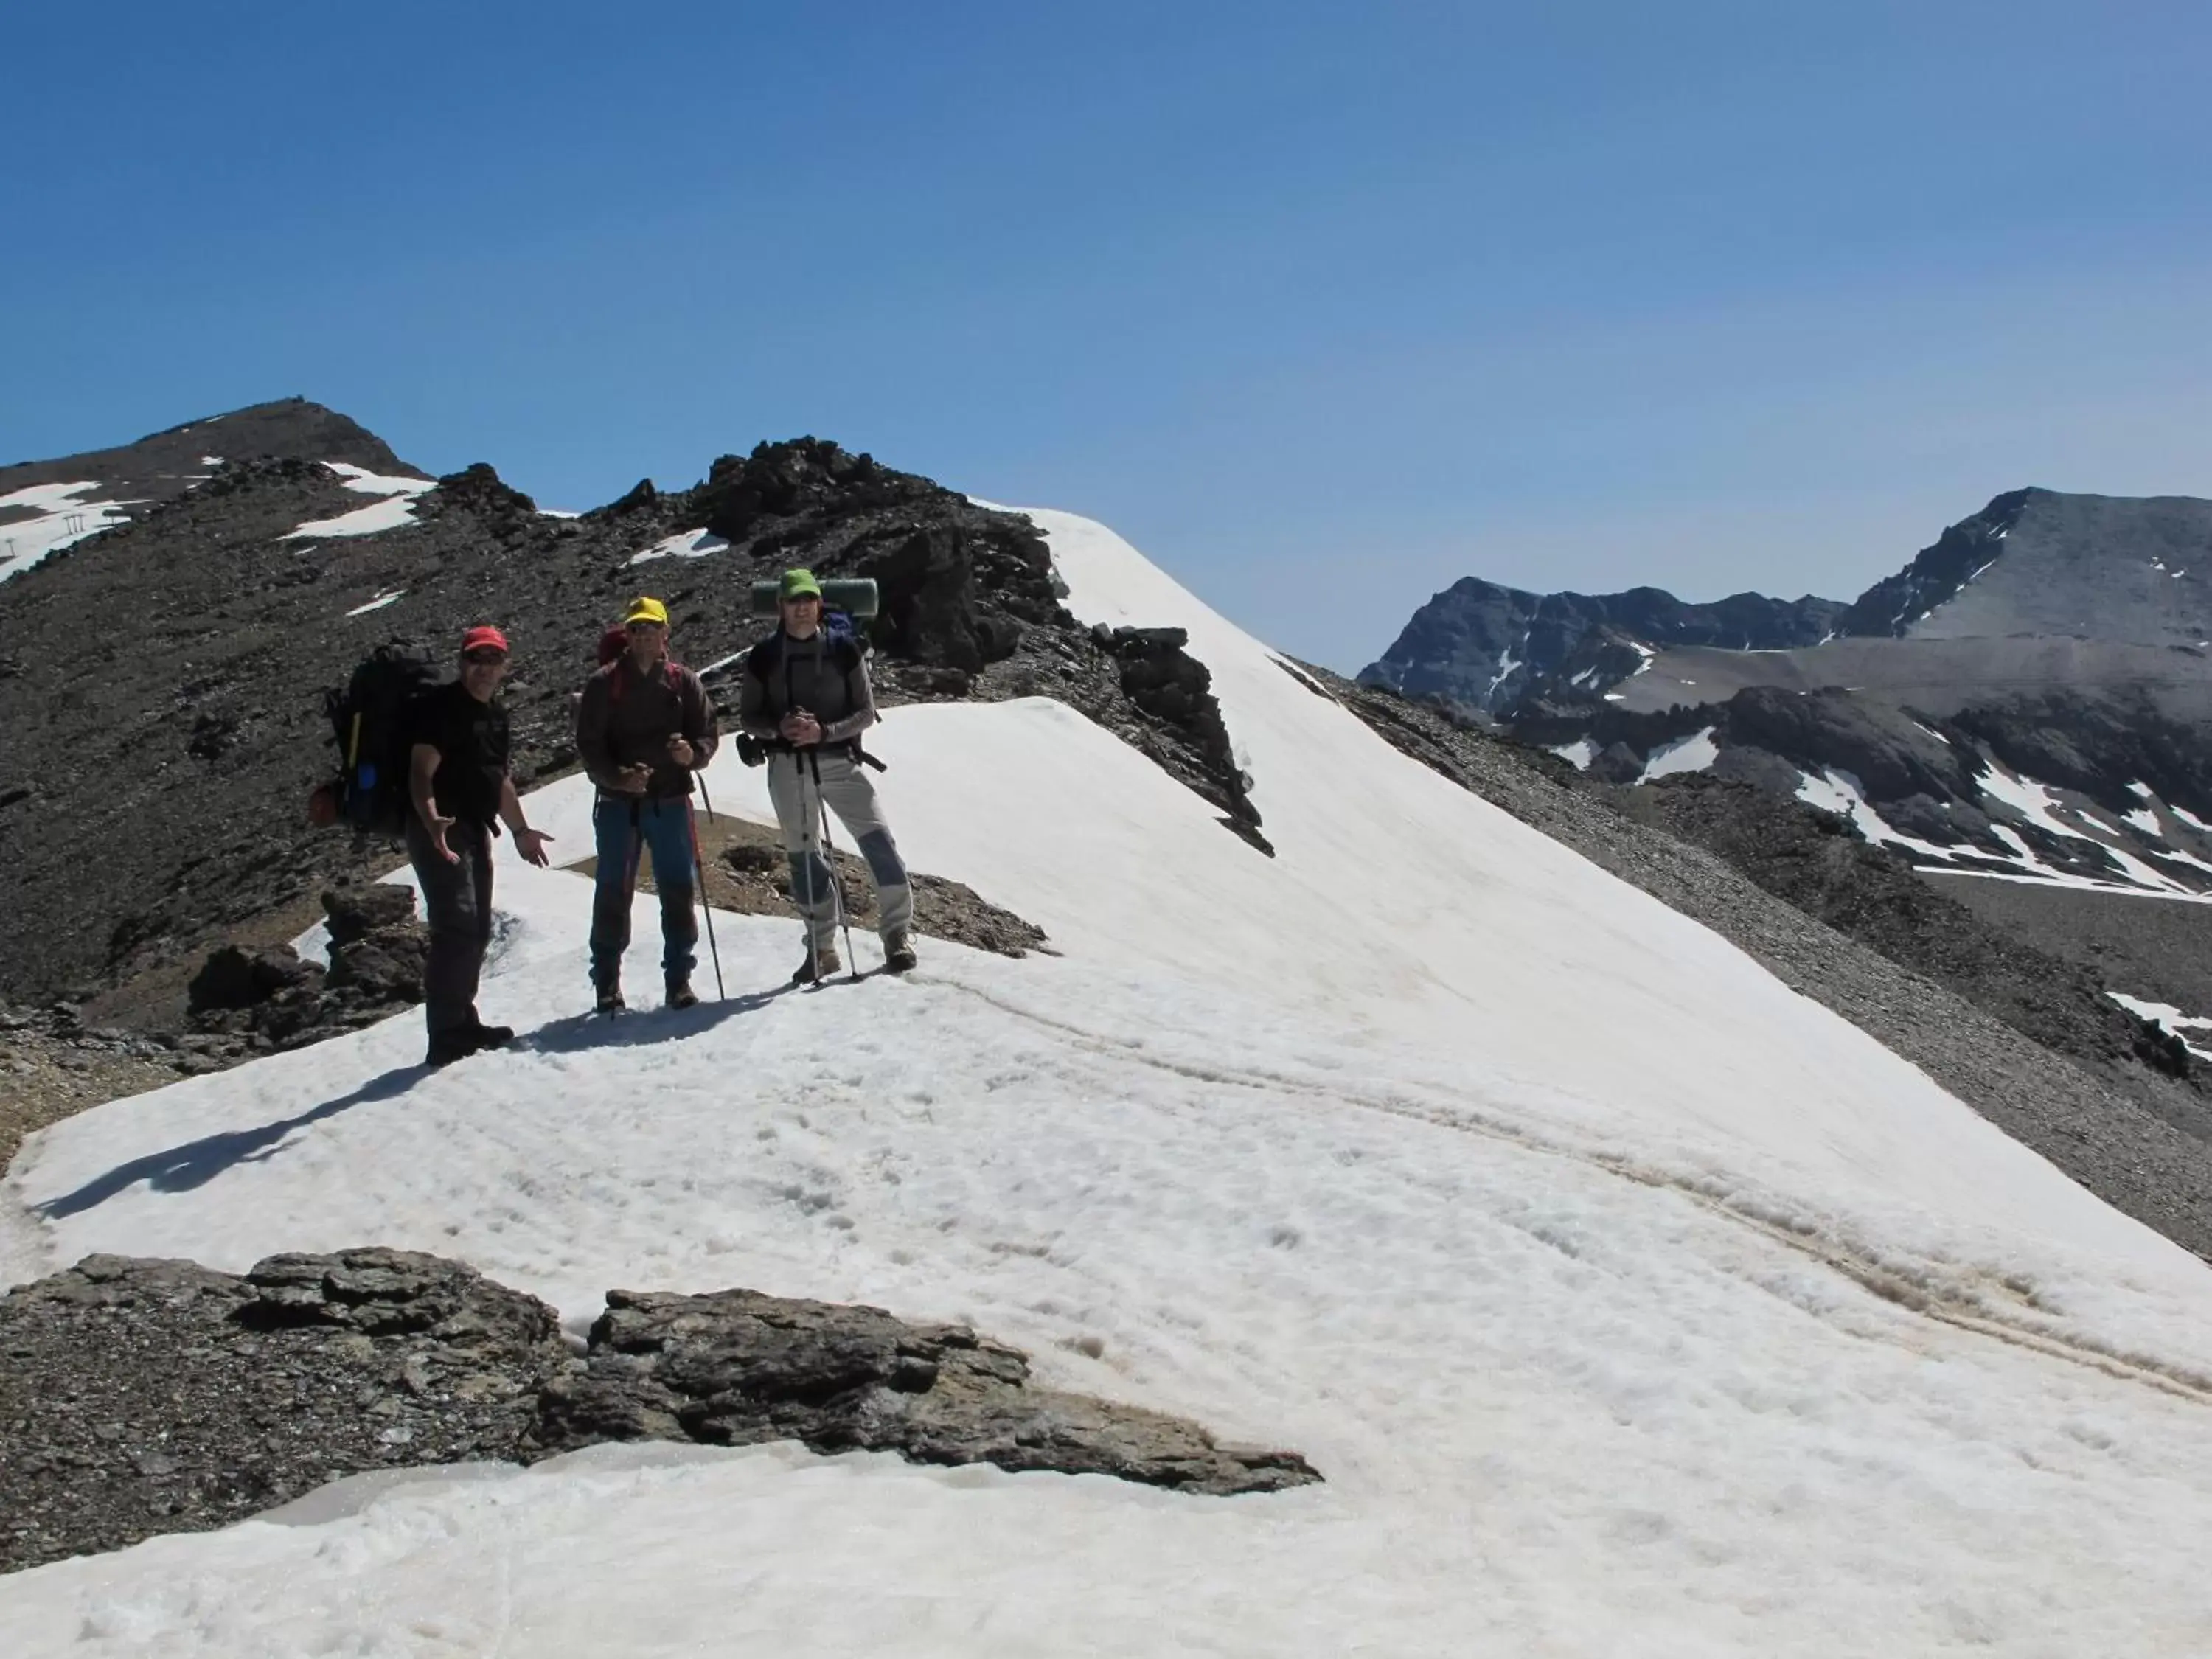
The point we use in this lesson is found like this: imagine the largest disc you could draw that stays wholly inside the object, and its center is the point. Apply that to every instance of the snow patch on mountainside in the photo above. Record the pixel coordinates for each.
(2036, 805)
(61, 515)
(1578, 754)
(684, 544)
(394, 508)
(1692, 754)
(2172, 1020)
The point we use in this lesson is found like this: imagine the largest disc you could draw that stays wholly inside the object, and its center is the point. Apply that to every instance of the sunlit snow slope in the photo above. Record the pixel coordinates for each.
(1630, 1303)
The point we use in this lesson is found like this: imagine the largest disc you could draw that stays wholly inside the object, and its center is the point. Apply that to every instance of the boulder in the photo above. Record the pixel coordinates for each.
(354, 913)
(736, 1367)
(234, 977)
(386, 968)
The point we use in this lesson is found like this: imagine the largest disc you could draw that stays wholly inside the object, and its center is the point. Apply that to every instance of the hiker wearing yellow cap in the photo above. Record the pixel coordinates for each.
(806, 696)
(644, 726)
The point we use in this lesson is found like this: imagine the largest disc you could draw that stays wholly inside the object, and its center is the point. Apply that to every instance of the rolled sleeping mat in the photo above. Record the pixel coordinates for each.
(854, 595)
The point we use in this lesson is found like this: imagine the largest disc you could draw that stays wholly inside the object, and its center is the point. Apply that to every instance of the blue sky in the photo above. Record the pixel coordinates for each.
(1322, 306)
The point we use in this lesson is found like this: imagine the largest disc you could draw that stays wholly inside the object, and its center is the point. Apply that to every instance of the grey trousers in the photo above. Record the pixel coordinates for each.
(457, 897)
(845, 786)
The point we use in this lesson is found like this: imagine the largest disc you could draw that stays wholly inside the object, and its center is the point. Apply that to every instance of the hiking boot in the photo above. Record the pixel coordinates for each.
(491, 1036)
(816, 965)
(898, 953)
(447, 1046)
(681, 996)
(610, 1000)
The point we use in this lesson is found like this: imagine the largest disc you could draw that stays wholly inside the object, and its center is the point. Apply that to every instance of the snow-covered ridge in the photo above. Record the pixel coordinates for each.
(1629, 1301)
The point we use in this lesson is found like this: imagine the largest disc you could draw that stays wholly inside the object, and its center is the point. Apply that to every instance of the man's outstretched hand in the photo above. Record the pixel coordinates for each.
(531, 843)
(437, 826)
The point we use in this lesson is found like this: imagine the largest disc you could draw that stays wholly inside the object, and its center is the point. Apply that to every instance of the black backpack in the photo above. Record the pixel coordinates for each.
(369, 723)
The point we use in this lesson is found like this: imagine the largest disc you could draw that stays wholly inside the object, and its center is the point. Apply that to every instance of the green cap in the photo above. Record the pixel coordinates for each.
(798, 585)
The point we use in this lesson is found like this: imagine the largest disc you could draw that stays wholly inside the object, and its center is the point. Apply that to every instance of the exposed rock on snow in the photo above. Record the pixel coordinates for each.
(142, 1396)
(267, 998)
(736, 1367)
(746, 872)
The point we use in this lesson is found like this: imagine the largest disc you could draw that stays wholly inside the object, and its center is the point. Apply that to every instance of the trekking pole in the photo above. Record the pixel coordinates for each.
(699, 879)
(806, 859)
(829, 858)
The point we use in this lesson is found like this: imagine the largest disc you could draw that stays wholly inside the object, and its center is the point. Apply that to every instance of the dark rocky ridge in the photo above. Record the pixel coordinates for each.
(141, 1397)
(154, 799)
(1894, 605)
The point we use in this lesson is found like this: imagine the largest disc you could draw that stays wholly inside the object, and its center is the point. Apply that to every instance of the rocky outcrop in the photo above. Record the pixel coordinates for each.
(267, 998)
(747, 871)
(736, 1367)
(140, 1397)
(1174, 691)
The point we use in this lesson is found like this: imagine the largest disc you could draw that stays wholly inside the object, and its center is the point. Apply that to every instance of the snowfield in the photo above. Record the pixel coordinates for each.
(1630, 1303)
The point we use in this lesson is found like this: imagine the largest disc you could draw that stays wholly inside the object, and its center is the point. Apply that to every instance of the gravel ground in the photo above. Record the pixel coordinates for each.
(2155, 949)
(2103, 1137)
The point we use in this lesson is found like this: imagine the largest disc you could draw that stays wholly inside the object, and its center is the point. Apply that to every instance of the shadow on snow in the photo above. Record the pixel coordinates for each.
(182, 1168)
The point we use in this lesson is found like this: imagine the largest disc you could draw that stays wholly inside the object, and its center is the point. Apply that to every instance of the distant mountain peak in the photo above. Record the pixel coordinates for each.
(1488, 647)
(1896, 603)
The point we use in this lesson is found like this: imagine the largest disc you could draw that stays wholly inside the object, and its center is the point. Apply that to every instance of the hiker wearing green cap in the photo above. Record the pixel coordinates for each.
(806, 696)
(644, 726)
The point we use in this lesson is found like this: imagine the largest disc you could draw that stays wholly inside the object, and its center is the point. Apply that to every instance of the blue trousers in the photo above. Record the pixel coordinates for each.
(622, 830)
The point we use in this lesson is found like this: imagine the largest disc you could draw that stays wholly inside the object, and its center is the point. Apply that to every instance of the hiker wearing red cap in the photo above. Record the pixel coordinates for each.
(459, 784)
(643, 727)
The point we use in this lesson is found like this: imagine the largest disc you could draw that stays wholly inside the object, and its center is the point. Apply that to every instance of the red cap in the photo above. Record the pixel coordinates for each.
(476, 638)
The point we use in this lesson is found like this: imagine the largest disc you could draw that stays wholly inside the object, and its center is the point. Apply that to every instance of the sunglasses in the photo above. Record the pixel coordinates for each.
(486, 655)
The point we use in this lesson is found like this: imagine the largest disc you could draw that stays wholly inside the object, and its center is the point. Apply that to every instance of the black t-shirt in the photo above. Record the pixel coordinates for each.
(470, 738)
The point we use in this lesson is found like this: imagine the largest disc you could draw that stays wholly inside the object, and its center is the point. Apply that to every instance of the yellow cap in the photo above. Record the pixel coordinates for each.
(646, 611)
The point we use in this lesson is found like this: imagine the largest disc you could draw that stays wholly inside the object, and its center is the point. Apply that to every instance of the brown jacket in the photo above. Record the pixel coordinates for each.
(626, 718)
